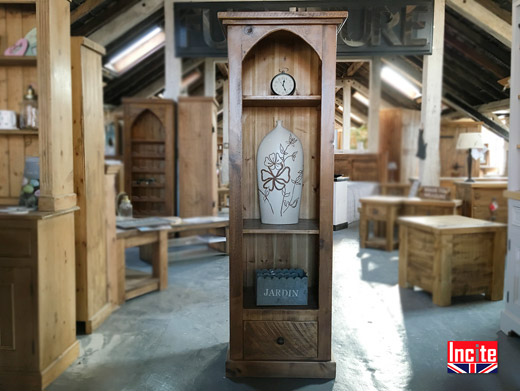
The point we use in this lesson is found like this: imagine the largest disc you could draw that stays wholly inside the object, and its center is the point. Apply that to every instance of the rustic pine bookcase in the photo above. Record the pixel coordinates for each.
(281, 341)
(149, 155)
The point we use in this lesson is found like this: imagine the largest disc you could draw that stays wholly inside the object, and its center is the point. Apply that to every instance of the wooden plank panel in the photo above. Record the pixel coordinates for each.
(4, 166)
(16, 164)
(197, 157)
(56, 285)
(280, 252)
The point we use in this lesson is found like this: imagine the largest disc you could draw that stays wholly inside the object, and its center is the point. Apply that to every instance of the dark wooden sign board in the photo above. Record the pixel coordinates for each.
(374, 27)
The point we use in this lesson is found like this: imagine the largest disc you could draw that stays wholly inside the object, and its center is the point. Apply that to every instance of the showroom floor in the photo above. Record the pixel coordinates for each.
(384, 338)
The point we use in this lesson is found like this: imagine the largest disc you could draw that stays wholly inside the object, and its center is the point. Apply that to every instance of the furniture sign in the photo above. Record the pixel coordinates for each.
(373, 27)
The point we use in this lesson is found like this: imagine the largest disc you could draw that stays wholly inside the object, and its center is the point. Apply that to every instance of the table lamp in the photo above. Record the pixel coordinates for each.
(469, 141)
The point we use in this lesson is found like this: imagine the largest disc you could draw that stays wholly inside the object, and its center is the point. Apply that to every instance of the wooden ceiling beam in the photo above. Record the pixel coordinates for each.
(84, 10)
(483, 18)
(353, 68)
(467, 31)
(455, 43)
(109, 10)
(126, 21)
(495, 127)
(504, 14)
(494, 106)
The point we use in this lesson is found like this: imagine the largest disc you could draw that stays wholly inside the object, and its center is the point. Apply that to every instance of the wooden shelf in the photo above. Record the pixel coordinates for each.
(15, 2)
(146, 199)
(154, 186)
(143, 141)
(149, 170)
(18, 132)
(281, 101)
(250, 302)
(18, 61)
(304, 227)
(143, 156)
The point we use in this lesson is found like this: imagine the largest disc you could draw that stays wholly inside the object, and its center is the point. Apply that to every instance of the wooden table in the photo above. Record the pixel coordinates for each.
(130, 285)
(452, 256)
(379, 209)
(385, 209)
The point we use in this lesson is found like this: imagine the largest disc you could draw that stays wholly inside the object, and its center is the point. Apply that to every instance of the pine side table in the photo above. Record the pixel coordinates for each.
(379, 209)
(452, 256)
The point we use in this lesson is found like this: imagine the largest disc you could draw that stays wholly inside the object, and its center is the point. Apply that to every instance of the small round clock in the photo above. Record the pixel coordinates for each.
(283, 84)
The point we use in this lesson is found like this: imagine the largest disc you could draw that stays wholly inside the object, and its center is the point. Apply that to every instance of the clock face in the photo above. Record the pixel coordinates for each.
(283, 84)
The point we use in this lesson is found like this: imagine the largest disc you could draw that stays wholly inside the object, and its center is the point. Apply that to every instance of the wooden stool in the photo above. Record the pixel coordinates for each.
(452, 256)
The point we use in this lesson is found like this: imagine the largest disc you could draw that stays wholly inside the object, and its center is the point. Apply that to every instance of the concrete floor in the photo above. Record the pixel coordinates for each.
(384, 338)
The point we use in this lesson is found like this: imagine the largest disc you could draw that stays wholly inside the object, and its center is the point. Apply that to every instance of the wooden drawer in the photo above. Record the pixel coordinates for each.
(376, 212)
(280, 340)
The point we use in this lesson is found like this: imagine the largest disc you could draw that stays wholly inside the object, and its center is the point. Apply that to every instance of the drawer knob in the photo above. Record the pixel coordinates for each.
(280, 341)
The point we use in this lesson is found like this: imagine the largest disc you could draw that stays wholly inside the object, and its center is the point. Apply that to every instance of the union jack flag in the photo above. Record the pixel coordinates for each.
(472, 368)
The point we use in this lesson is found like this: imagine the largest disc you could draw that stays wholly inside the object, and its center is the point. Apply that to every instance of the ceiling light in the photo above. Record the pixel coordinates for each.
(357, 95)
(399, 82)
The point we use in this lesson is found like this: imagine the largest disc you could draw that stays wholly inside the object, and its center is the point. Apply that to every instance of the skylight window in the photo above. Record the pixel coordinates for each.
(361, 98)
(356, 118)
(399, 82)
(137, 51)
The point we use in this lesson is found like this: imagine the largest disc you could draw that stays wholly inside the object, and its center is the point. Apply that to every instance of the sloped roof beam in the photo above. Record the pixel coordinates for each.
(483, 18)
(126, 21)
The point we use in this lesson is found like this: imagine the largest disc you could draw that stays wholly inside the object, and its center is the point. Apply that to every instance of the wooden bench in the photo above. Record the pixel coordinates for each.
(131, 284)
(452, 256)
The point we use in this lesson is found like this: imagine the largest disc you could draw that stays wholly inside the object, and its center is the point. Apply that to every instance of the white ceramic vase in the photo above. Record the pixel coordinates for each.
(279, 163)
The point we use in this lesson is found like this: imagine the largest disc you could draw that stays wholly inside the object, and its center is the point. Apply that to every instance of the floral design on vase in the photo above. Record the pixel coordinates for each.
(280, 176)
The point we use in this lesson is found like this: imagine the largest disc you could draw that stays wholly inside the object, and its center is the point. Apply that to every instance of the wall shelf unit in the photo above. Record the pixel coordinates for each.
(281, 101)
(281, 341)
(149, 155)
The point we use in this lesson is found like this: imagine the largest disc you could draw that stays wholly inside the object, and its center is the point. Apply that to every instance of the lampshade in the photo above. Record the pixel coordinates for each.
(470, 140)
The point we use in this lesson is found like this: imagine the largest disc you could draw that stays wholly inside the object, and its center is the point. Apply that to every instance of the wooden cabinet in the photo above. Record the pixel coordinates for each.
(149, 155)
(510, 318)
(92, 306)
(281, 341)
(37, 252)
(454, 162)
(368, 167)
(37, 299)
(476, 198)
(197, 156)
(398, 140)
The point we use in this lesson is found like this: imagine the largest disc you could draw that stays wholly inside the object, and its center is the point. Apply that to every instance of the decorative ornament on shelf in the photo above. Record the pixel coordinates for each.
(493, 207)
(32, 43)
(279, 163)
(30, 192)
(29, 110)
(283, 84)
(18, 49)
